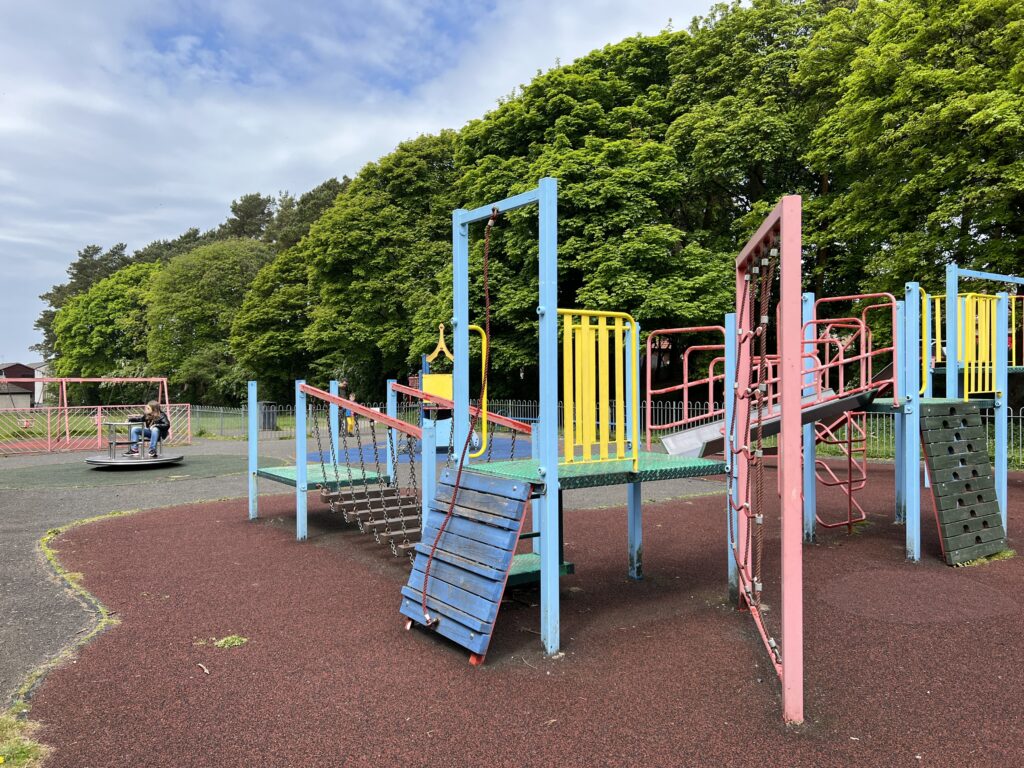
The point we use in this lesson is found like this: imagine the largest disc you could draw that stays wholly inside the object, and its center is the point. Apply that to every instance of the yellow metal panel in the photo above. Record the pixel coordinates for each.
(569, 436)
(439, 384)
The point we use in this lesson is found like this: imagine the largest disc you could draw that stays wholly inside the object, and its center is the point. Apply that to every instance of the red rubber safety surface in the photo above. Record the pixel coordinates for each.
(906, 664)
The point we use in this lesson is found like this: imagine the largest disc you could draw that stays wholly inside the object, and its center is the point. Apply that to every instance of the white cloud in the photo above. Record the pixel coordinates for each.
(141, 120)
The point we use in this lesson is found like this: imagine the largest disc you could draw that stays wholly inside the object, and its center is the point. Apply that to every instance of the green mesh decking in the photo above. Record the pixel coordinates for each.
(315, 476)
(653, 466)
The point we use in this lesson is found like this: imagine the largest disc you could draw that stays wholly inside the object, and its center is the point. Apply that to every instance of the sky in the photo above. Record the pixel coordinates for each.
(133, 121)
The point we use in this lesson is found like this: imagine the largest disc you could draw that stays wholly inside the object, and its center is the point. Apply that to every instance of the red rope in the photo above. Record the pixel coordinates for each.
(473, 418)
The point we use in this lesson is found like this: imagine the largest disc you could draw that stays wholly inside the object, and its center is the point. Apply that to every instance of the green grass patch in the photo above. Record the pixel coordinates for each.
(1006, 554)
(17, 747)
(231, 641)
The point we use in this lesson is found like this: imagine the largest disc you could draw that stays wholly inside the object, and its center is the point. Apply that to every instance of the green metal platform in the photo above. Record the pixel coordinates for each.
(526, 569)
(315, 476)
(653, 466)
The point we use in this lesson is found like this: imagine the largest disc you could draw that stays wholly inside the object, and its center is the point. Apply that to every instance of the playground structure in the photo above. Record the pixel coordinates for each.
(786, 368)
(64, 427)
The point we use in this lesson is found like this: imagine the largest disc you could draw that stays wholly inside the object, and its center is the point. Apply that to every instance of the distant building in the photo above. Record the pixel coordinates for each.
(42, 370)
(17, 394)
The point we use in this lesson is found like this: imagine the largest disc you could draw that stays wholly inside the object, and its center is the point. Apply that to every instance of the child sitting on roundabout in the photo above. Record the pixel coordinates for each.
(155, 427)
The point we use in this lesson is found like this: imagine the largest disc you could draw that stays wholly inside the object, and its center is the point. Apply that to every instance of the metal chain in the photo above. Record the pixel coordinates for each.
(362, 475)
(350, 507)
(380, 484)
(395, 484)
(411, 446)
(320, 455)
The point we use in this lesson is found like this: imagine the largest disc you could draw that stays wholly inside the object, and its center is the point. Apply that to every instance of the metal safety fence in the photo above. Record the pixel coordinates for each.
(51, 429)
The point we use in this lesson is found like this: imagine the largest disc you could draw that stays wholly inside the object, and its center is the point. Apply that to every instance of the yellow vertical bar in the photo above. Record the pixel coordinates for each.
(992, 327)
(589, 404)
(634, 366)
(1012, 341)
(937, 316)
(568, 383)
(581, 406)
(604, 406)
(620, 391)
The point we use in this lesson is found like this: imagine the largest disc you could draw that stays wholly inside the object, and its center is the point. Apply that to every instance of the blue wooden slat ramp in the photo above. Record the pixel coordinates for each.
(474, 555)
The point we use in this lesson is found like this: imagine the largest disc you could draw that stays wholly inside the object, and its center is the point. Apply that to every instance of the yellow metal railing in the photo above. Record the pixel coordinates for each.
(598, 352)
(976, 338)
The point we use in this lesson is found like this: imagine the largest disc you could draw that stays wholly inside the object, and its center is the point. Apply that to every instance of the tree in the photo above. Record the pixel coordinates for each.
(194, 302)
(375, 259)
(250, 216)
(267, 333)
(293, 218)
(922, 137)
(104, 328)
(92, 265)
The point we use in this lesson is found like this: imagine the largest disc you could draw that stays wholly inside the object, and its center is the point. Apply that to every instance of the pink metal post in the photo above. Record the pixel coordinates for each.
(781, 230)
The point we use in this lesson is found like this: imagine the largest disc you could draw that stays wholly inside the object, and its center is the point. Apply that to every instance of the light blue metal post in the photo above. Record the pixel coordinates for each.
(1000, 411)
(810, 480)
(535, 504)
(952, 355)
(300, 461)
(910, 397)
(395, 435)
(732, 520)
(428, 461)
(332, 421)
(253, 445)
(634, 507)
(547, 311)
(460, 329)
(898, 418)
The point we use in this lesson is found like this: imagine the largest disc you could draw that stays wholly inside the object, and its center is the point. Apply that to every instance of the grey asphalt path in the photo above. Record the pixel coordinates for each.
(39, 617)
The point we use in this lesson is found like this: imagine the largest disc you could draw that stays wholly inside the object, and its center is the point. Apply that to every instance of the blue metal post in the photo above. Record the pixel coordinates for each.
(253, 445)
(460, 330)
(730, 461)
(428, 461)
(332, 421)
(547, 311)
(395, 435)
(300, 461)
(899, 422)
(634, 506)
(810, 480)
(910, 398)
(535, 504)
(1000, 412)
(952, 355)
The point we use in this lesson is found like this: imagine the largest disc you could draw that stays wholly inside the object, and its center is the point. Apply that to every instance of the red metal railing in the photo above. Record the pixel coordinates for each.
(53, 429)
(687, 384)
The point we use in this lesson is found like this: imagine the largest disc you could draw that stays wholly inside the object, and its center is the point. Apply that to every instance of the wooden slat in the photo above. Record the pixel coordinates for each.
(485, 502)
(479, 585)
(413, 534)
(476, 642)
(475, 481)
(472, 566)
(501, 538)
(451, 611)
(471, 604)
(393, 523)
(473, 514)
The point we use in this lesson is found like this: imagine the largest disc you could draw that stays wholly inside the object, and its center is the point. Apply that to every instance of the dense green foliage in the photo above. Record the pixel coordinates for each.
(193, 302)
(900, 122)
